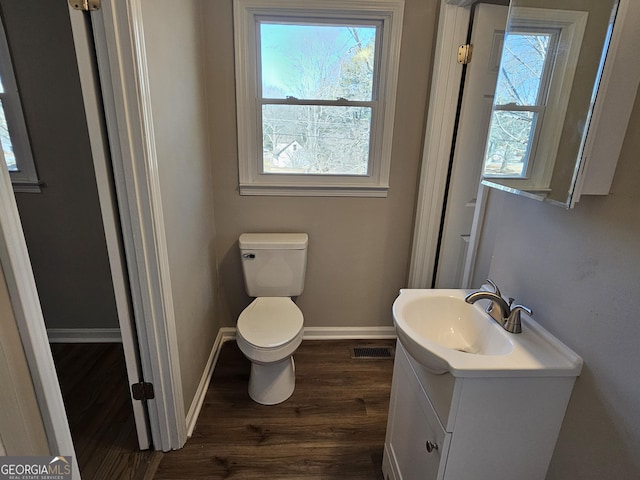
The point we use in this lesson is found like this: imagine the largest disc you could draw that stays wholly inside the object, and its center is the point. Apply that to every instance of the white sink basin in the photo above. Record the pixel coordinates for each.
(446, 334)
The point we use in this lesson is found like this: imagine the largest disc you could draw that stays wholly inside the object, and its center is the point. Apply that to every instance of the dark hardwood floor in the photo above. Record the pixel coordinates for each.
(95, 390)
(332, 427)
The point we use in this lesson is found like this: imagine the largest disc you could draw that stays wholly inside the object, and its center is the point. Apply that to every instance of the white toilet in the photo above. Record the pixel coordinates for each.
(270, 329)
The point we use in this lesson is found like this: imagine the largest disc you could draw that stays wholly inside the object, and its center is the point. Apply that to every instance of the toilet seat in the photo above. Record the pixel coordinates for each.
(270, 322)
(270, 329)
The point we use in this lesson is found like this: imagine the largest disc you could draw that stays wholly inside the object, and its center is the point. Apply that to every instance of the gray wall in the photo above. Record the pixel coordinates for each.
(358, 247)
(580, 272)
(173, 34)
(63, 224)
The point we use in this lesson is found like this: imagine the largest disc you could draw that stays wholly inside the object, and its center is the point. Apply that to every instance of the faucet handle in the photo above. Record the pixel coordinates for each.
(514, 322)
(496, 290)
(491, 305)
(521, 308)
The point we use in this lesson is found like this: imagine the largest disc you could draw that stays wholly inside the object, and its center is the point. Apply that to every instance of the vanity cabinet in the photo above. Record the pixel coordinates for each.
(460, 428)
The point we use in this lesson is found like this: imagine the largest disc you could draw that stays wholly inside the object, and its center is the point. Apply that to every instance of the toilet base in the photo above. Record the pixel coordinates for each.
(272, 383)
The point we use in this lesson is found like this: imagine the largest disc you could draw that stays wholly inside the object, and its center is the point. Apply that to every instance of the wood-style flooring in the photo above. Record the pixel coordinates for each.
(332, 427)
(95, 389)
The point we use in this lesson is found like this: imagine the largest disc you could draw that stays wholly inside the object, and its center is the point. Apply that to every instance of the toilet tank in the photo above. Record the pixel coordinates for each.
(274, 264)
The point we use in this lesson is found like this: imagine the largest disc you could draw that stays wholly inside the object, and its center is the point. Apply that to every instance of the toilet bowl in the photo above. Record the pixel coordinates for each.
(269, 330)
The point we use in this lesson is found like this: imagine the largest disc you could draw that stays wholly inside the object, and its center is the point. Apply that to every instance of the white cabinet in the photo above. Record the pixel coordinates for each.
(415, 437)
(482, 428)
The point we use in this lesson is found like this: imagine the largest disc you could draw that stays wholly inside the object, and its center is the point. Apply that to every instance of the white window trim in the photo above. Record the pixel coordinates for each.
(572, 26)
(26, 178)
(539, 107)
(252, 181)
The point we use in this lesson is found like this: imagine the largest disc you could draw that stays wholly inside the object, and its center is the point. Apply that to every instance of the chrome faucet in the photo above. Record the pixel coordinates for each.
(499, 309)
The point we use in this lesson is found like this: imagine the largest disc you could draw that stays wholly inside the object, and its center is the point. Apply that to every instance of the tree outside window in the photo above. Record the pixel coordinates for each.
(309, 64)
(315, 88)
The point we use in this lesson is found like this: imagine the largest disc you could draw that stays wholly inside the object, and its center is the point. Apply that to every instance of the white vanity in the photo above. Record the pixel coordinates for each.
(468, 400)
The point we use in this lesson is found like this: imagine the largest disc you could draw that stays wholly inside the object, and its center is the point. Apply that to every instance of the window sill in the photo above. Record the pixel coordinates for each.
(536, 193)
(314, 190)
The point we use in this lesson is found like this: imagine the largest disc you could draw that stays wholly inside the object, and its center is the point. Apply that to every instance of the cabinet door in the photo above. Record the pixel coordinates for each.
(416, 441)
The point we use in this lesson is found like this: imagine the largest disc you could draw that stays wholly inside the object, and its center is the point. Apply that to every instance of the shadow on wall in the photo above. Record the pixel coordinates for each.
(231, 281)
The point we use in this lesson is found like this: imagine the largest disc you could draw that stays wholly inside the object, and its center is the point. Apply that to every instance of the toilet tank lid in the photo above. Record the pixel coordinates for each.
(282, 241)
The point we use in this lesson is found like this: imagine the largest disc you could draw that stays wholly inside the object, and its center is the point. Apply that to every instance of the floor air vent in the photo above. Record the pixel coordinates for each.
(368, 353)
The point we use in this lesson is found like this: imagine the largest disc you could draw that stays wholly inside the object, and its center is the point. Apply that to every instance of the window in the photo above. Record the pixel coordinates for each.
(520, 98)
(316, 88)
(16, 149)
(537, 66)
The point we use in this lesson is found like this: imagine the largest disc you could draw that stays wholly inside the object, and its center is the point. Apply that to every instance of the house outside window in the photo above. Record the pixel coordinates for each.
(14, 140)
(316, 85)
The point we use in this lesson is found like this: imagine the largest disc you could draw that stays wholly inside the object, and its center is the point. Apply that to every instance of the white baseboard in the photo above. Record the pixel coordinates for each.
(334, 333)
(349, 333)
(84, 335)
(224, 334)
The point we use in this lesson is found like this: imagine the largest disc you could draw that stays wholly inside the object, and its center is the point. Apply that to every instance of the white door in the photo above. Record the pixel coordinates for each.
(120, 54)
(486, 37)
(85, 55)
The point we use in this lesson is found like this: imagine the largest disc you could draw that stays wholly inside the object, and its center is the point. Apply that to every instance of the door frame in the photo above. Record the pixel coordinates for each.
(465, 188)
(85, 57)
(119, 44)
(16, 266)
(453, 27)
(121, 56)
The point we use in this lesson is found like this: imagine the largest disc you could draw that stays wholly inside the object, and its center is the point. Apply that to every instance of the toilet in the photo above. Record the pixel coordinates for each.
(270, 329)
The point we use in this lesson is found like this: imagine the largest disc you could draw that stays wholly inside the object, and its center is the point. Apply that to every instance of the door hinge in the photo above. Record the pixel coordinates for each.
(85, 5)
(464, 53)
(142, 391)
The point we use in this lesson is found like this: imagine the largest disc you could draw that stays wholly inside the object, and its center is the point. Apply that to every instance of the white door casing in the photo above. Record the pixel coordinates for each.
(85, 55)
(121, 56)
(487, 35)
(453, 25)
(118, 42)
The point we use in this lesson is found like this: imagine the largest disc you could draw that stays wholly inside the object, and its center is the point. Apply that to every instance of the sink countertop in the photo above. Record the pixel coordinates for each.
(534, 353)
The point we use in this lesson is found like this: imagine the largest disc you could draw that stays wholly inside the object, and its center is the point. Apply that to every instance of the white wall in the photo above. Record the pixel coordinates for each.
(173, 39)
(580, 272)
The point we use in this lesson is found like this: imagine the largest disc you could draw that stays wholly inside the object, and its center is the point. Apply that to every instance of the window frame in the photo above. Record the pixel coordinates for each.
(247, 13)
(26, 178)
(539, 106)
(571, 26)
